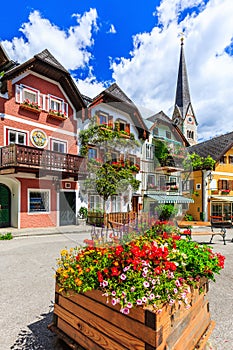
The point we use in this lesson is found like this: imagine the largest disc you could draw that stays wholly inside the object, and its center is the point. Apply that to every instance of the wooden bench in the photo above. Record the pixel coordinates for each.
(221, 227)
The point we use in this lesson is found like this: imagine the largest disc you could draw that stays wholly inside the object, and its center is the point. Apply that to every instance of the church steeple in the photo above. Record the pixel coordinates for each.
(183, 114)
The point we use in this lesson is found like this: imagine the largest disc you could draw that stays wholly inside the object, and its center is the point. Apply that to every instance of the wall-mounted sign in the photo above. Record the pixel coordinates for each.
(39, 138)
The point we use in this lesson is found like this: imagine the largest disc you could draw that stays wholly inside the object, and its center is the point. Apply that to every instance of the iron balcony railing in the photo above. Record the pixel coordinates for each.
(33, 158)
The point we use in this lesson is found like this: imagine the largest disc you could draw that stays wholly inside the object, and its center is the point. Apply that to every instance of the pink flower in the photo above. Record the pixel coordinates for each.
(139, 302)
(146, 284)
(123, 277)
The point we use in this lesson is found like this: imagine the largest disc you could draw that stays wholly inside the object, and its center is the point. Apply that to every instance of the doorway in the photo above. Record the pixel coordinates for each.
(67, 208)
(5, 206)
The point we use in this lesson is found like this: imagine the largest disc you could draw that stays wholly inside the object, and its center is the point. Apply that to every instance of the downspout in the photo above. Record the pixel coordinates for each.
(204, 195)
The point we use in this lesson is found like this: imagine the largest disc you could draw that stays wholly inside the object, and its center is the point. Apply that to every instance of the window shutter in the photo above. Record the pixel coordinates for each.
(191, 185)
(127, 128)
(65, 108)
(230, 185)
(110, 121)
(219, 184)
(18, 93)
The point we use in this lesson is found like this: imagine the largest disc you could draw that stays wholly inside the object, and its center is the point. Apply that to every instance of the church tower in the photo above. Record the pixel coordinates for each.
(183, 115)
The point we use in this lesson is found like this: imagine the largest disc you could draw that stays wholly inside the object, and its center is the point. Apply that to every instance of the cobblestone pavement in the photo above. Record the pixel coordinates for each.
(27, 290)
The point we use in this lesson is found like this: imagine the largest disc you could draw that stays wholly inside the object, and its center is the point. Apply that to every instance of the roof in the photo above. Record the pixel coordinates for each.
(159, 117)
(116, 97)
(215, 147)
(45, 64)
(182, 100)
(182, 89)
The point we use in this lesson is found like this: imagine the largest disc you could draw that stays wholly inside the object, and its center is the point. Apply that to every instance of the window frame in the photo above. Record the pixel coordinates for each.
(17, 132)
(60, 142)
(47, 209)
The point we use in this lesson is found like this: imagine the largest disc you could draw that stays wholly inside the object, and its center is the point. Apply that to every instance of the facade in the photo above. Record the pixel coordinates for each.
(113, 111)
(213, 189)
(39, 165)
(163, 154)
(183, 114)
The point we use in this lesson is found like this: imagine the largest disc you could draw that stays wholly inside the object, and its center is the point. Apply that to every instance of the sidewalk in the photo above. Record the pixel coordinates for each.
(41, 231)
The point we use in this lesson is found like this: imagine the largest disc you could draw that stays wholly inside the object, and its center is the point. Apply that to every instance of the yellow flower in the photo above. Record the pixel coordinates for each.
(64, 252)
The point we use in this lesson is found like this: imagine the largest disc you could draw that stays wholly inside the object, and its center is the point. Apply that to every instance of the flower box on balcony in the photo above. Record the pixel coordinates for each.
(214, 191)
(225, 191)
(57, 115)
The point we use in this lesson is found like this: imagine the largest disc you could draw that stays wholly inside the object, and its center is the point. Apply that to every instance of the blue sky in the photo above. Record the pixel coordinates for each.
(135, 44)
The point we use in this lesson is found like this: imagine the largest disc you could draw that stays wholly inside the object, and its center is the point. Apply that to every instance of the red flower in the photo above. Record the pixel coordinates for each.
(115, 271)
(100, 277)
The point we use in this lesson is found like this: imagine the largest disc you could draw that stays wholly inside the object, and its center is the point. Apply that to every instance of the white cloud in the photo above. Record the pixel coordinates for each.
(153, 65)
(112, 29)
(76, 40)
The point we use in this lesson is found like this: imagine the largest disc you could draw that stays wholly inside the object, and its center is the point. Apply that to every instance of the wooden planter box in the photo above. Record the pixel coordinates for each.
(87, 321)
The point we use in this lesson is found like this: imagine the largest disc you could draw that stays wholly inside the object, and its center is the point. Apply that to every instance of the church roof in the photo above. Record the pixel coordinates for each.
(182, 100)
(215, 147)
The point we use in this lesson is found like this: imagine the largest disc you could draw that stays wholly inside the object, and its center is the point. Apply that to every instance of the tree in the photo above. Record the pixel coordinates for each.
(106, 177)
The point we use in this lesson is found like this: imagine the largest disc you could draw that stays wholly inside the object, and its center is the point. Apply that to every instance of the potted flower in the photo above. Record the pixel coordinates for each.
(146, 292)
(82, 216)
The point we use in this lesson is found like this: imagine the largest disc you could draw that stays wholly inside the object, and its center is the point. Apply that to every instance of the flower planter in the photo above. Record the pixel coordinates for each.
(86, 320)
(30, 108)
(57, 116)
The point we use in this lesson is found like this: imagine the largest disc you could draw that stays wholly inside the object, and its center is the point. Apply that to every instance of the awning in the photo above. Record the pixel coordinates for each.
(163, 198)
(222, 198)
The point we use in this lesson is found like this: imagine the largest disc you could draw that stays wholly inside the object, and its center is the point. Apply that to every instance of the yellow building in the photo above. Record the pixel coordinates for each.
(213, 190)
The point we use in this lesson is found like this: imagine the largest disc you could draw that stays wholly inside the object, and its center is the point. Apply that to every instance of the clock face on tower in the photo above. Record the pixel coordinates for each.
(176, 121)
(190, 120)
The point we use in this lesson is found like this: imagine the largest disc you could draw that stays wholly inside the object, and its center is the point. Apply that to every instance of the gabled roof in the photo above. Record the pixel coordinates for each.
(161, 117)
(46, 65)
(215, 147)
(5, 62)
(114, 96)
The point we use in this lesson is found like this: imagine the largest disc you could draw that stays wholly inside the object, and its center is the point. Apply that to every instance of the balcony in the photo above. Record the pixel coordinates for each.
(15, 158)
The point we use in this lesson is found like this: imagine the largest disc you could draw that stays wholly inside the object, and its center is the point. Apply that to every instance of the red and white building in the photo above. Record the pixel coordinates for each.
(39, 167)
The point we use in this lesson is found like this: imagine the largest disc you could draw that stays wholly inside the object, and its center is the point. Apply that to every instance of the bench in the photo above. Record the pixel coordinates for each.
(221, 227)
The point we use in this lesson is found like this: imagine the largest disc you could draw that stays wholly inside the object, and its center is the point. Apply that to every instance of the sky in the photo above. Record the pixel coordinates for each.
(137, 45)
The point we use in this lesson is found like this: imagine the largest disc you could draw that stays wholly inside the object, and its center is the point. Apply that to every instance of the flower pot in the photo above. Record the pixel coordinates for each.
(86, 320)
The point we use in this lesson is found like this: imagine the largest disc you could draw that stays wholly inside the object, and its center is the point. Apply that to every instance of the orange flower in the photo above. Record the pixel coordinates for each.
(78, 281)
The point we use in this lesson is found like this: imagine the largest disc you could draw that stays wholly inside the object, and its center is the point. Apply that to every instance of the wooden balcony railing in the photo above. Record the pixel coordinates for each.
(34, 159)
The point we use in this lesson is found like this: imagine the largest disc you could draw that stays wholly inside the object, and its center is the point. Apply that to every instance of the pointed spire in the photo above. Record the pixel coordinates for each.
(182, 90)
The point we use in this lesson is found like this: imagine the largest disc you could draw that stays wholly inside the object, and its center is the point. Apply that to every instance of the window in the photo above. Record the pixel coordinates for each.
(187, 185)
(58, 105)
(116, 204)
(168, 135)
(114, 157)
(162, 182)
(92, 153)
(149, 151)
(39, 201)
(30, 95)
(23, 92)
(132, 160)
(231, 159)
(156, 132)
(223, 160)
(59, 146)
(223, 184)
(150, 181)
(17, 137)
(103, 119)
(95, 202)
